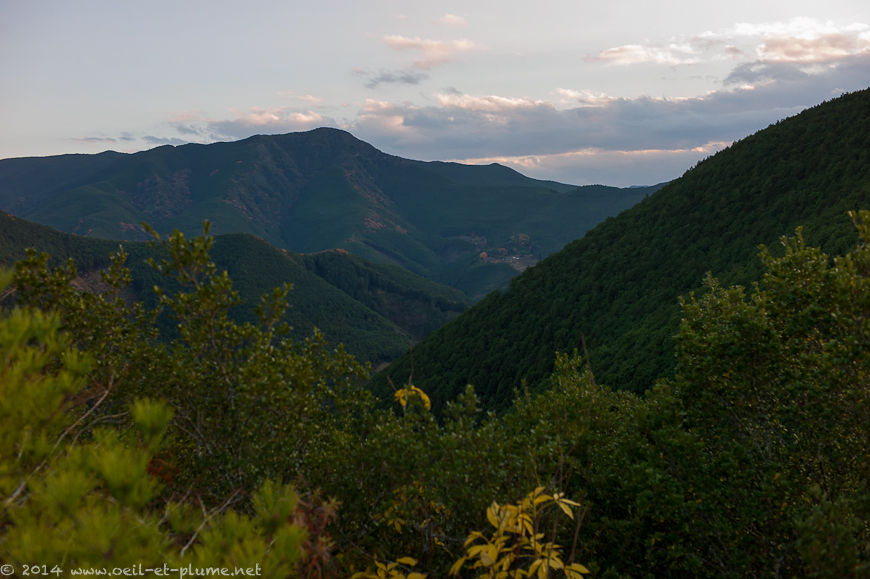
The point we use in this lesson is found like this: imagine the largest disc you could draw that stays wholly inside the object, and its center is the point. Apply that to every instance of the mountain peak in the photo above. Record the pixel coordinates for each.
(319, 134)
(322, 141)
(313, 190)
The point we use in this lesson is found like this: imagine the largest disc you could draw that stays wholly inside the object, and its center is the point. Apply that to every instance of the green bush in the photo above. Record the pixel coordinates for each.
(78, 495)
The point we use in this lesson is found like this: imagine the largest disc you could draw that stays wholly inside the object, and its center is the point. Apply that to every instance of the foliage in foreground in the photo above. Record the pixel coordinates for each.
(78, 496)
(752, 461)
(519, 538)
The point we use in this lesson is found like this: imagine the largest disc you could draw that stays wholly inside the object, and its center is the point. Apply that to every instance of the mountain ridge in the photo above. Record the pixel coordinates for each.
(316, 190)
(616, 289)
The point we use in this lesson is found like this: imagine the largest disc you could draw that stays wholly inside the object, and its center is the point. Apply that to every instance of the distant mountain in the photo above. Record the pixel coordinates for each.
(376, 310)
(617, 288)
(471, 227)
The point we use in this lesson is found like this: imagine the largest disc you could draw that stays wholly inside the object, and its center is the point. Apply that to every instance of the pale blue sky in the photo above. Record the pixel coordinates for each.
(618, 92)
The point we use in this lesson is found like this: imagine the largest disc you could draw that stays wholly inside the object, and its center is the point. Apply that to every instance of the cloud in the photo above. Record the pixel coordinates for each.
(585, 98)
(646, 138)
(820, 49)
(432, 52)
(492, 125)
(487, 104)
(800, 27)
(760, 72)
(804, 40)
(240, 124)
(257, 120)
(610, 167)
(124, 137)
(452, 20)
(751, 74)
(186, 129)
(383, 118)
(158, 141)
(94, 140)
(671, 54)
(411, 77)
(305, 98)
(309, 98)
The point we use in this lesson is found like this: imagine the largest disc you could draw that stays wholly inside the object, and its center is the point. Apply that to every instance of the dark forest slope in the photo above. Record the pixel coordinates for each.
(619, 285)
(375, 310)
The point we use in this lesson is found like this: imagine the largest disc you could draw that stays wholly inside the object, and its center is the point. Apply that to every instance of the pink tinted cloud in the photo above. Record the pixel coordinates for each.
(585, 97)
(595, 165)
(822, 48)
(384, 118)
(240, 124)
(799, 40)
(579, 128)
(671, 54)
(433, 52)
(452, 20)
(488, 104)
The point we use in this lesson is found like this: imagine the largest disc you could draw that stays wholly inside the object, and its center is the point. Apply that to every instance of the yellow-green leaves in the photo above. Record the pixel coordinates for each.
(404, 396)
(565, 504)
(391, 570)
(517, 547)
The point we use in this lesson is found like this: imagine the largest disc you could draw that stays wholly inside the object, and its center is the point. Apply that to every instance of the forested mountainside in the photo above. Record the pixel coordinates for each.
(375, 310)
(617, 288)
(471, 227)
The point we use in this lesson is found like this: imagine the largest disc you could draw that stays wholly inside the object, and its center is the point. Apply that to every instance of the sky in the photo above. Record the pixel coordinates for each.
(618, 92)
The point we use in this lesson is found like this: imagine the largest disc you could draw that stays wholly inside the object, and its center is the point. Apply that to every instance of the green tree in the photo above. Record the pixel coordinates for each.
(76, 495)
(237, 390)
(776, 384)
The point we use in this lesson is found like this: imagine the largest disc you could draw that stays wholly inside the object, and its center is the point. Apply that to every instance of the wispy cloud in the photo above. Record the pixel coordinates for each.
(584, 97)
(154, 141)
(820, 49)
(799, 27)
(310, 99)
(803, 40)
(594, 165)
(671, 54)
(432, 52)
(123, 138)
(452, 20)
(657, 137)
(94, 140)
(240, 124)
(410, 77)
(485, 104)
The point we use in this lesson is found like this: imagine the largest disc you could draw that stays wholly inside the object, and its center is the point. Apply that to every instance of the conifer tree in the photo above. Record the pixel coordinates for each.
(78, 496)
